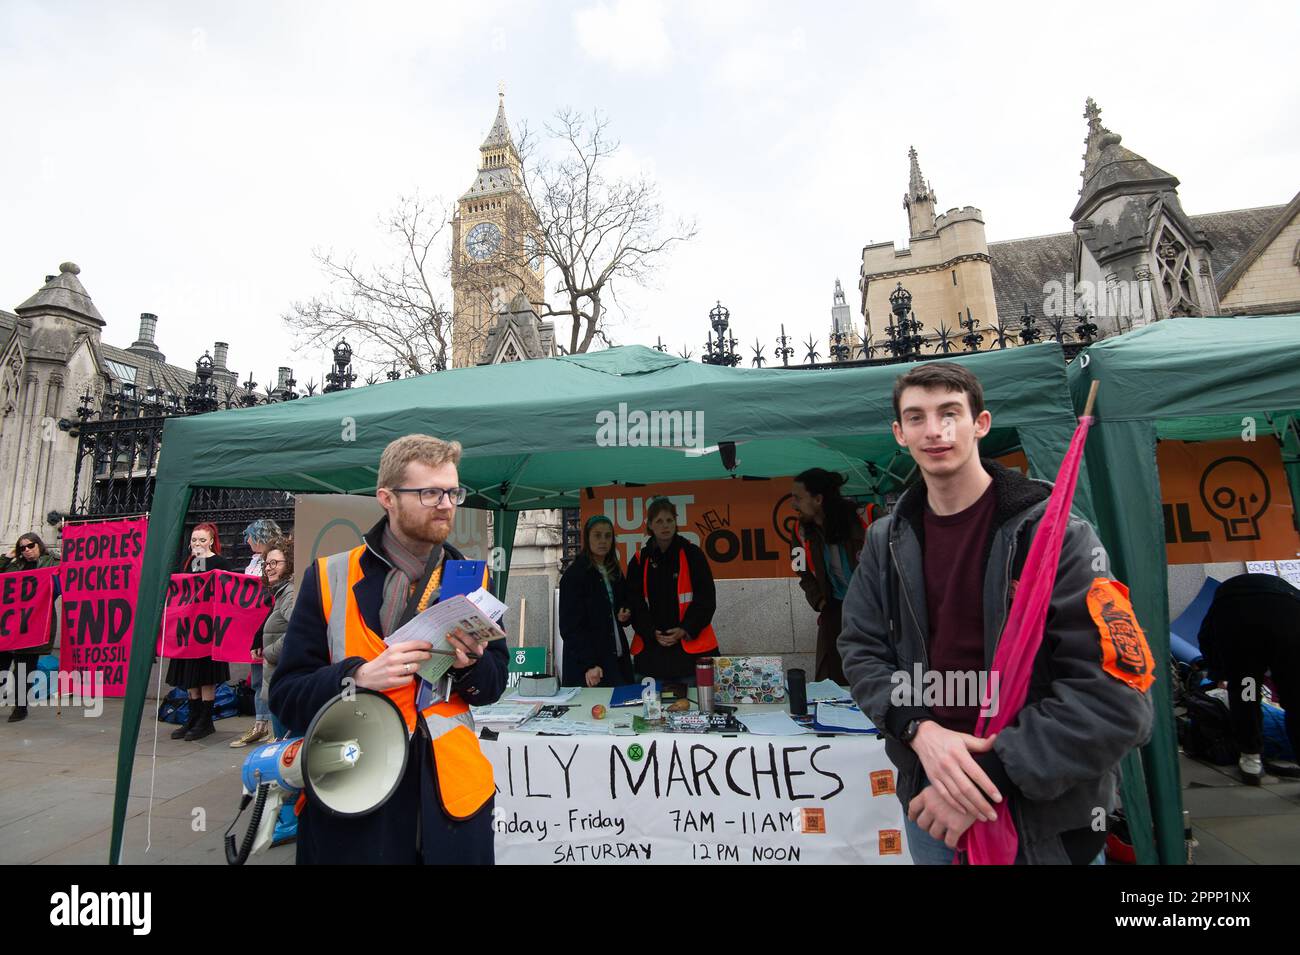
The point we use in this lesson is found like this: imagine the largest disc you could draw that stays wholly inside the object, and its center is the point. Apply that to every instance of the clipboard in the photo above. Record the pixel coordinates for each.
(462, 578)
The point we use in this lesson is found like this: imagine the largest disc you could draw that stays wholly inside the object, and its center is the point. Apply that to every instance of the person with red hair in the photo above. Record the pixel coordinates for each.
(200, 676)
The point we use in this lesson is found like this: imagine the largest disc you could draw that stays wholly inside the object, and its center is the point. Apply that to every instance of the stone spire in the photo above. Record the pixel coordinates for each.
(841, 317)
(919, 199)
(1110, 167)
(499, 135)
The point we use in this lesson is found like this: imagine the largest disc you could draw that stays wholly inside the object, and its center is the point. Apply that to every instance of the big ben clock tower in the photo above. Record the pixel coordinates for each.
(495, 253)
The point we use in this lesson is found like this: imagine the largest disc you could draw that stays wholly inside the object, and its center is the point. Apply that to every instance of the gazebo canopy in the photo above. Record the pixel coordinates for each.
(1188, 379)
(536, 433)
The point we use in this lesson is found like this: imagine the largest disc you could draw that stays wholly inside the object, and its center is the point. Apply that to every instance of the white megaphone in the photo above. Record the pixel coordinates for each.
(350, 762)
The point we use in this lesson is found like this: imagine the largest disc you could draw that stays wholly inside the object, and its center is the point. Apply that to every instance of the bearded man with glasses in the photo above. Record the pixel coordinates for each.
(348, 604)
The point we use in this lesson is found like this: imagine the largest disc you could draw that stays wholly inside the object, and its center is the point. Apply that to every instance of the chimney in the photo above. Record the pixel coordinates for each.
(145, 345)
(284, 375)
(220, 352)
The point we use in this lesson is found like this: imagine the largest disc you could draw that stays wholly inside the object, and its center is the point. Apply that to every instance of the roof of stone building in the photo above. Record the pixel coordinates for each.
(122, 366)
(1023, 267)
(1108, 166)
(8, 322)
(63, 292)
(490, 182)
(1233, 233)
(149, 372)
(497, 179)
(536, 338)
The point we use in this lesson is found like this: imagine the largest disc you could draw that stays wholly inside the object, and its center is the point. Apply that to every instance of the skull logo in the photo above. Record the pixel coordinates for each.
(1235, 490)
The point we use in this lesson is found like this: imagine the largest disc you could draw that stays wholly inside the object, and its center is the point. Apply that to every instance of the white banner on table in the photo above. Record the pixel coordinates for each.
(686, 799)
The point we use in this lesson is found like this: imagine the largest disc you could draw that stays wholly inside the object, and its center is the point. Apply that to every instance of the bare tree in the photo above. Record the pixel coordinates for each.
(392, 315)
(597, 232)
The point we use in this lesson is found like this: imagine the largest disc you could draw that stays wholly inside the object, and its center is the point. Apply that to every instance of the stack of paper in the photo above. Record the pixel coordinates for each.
(504, 714)
(564, 696)
(827, 691)
(559, 726)
(770, 724)
(842, 719)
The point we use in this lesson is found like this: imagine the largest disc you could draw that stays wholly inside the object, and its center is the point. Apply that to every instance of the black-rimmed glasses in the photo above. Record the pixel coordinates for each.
(433, 496)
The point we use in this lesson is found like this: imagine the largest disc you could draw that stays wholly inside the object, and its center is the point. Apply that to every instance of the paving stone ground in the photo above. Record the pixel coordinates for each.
(57, 777)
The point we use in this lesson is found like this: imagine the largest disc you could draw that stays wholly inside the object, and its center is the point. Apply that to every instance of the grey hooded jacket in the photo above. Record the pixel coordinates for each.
(1060, 757)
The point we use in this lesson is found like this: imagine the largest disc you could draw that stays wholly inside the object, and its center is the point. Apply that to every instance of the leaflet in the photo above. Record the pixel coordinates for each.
(436, 624)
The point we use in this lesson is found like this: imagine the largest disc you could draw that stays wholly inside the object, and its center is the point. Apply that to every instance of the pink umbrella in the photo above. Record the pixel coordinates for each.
(995, 843)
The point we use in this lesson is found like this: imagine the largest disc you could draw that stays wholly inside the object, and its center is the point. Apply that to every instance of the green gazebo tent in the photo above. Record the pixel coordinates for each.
(536, 433)
(1187, 379)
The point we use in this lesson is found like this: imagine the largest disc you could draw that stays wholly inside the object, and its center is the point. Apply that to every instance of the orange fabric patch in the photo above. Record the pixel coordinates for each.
(1124, 651)
(891, 842)
(882, 782)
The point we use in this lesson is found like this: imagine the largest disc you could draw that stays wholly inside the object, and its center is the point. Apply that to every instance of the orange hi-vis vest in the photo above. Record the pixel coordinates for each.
(463, 773)
(703, 641)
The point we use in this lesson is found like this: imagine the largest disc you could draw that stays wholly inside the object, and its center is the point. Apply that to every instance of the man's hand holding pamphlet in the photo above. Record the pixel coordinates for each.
(476, 615)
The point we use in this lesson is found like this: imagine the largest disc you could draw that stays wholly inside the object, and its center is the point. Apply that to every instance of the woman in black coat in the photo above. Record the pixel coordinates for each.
(201, 675)
(592, 612)
(29, 553)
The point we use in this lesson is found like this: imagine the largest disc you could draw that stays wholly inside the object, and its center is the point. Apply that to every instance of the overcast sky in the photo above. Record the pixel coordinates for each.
(189, 157)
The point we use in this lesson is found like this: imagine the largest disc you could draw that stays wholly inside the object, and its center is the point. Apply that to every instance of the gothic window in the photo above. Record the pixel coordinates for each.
(1177, 281)
(510, 353)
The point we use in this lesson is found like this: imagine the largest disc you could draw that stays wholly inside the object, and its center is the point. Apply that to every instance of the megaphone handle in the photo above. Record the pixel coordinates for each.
(240, 856)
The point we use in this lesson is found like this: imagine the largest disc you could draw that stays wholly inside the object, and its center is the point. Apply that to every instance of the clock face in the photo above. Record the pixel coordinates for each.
(483, 240)
(534, 252)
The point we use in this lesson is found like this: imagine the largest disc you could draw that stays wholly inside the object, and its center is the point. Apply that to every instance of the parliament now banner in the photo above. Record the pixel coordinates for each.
(695, 799)
(214, 614)
(26, 605)
(100, 577)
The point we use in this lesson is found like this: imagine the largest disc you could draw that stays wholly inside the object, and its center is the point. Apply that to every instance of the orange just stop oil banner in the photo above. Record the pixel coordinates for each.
(1222, 500)
(1226, 500)
(745, 528)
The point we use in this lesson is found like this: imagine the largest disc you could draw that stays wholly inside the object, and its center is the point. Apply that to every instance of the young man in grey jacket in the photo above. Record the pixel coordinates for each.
(922, 619)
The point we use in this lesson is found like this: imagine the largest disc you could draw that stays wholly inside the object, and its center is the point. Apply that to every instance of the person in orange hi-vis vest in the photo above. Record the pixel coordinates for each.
(671, 595)
(442, 810)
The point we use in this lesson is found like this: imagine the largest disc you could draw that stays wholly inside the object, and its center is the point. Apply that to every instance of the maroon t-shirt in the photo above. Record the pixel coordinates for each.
(954, 600)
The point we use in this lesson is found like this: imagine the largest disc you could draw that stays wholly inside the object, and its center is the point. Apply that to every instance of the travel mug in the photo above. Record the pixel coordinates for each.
(704, 684)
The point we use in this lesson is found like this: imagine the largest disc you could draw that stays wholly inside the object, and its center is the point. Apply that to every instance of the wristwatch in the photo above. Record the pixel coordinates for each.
(909, 731)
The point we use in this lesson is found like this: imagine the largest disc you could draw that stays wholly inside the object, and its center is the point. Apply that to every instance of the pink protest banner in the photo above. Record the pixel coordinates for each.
(26, 604)
(214, 614)
(100, 575)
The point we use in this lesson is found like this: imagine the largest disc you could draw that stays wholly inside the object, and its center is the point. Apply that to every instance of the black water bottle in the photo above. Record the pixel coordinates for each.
(797, 681)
